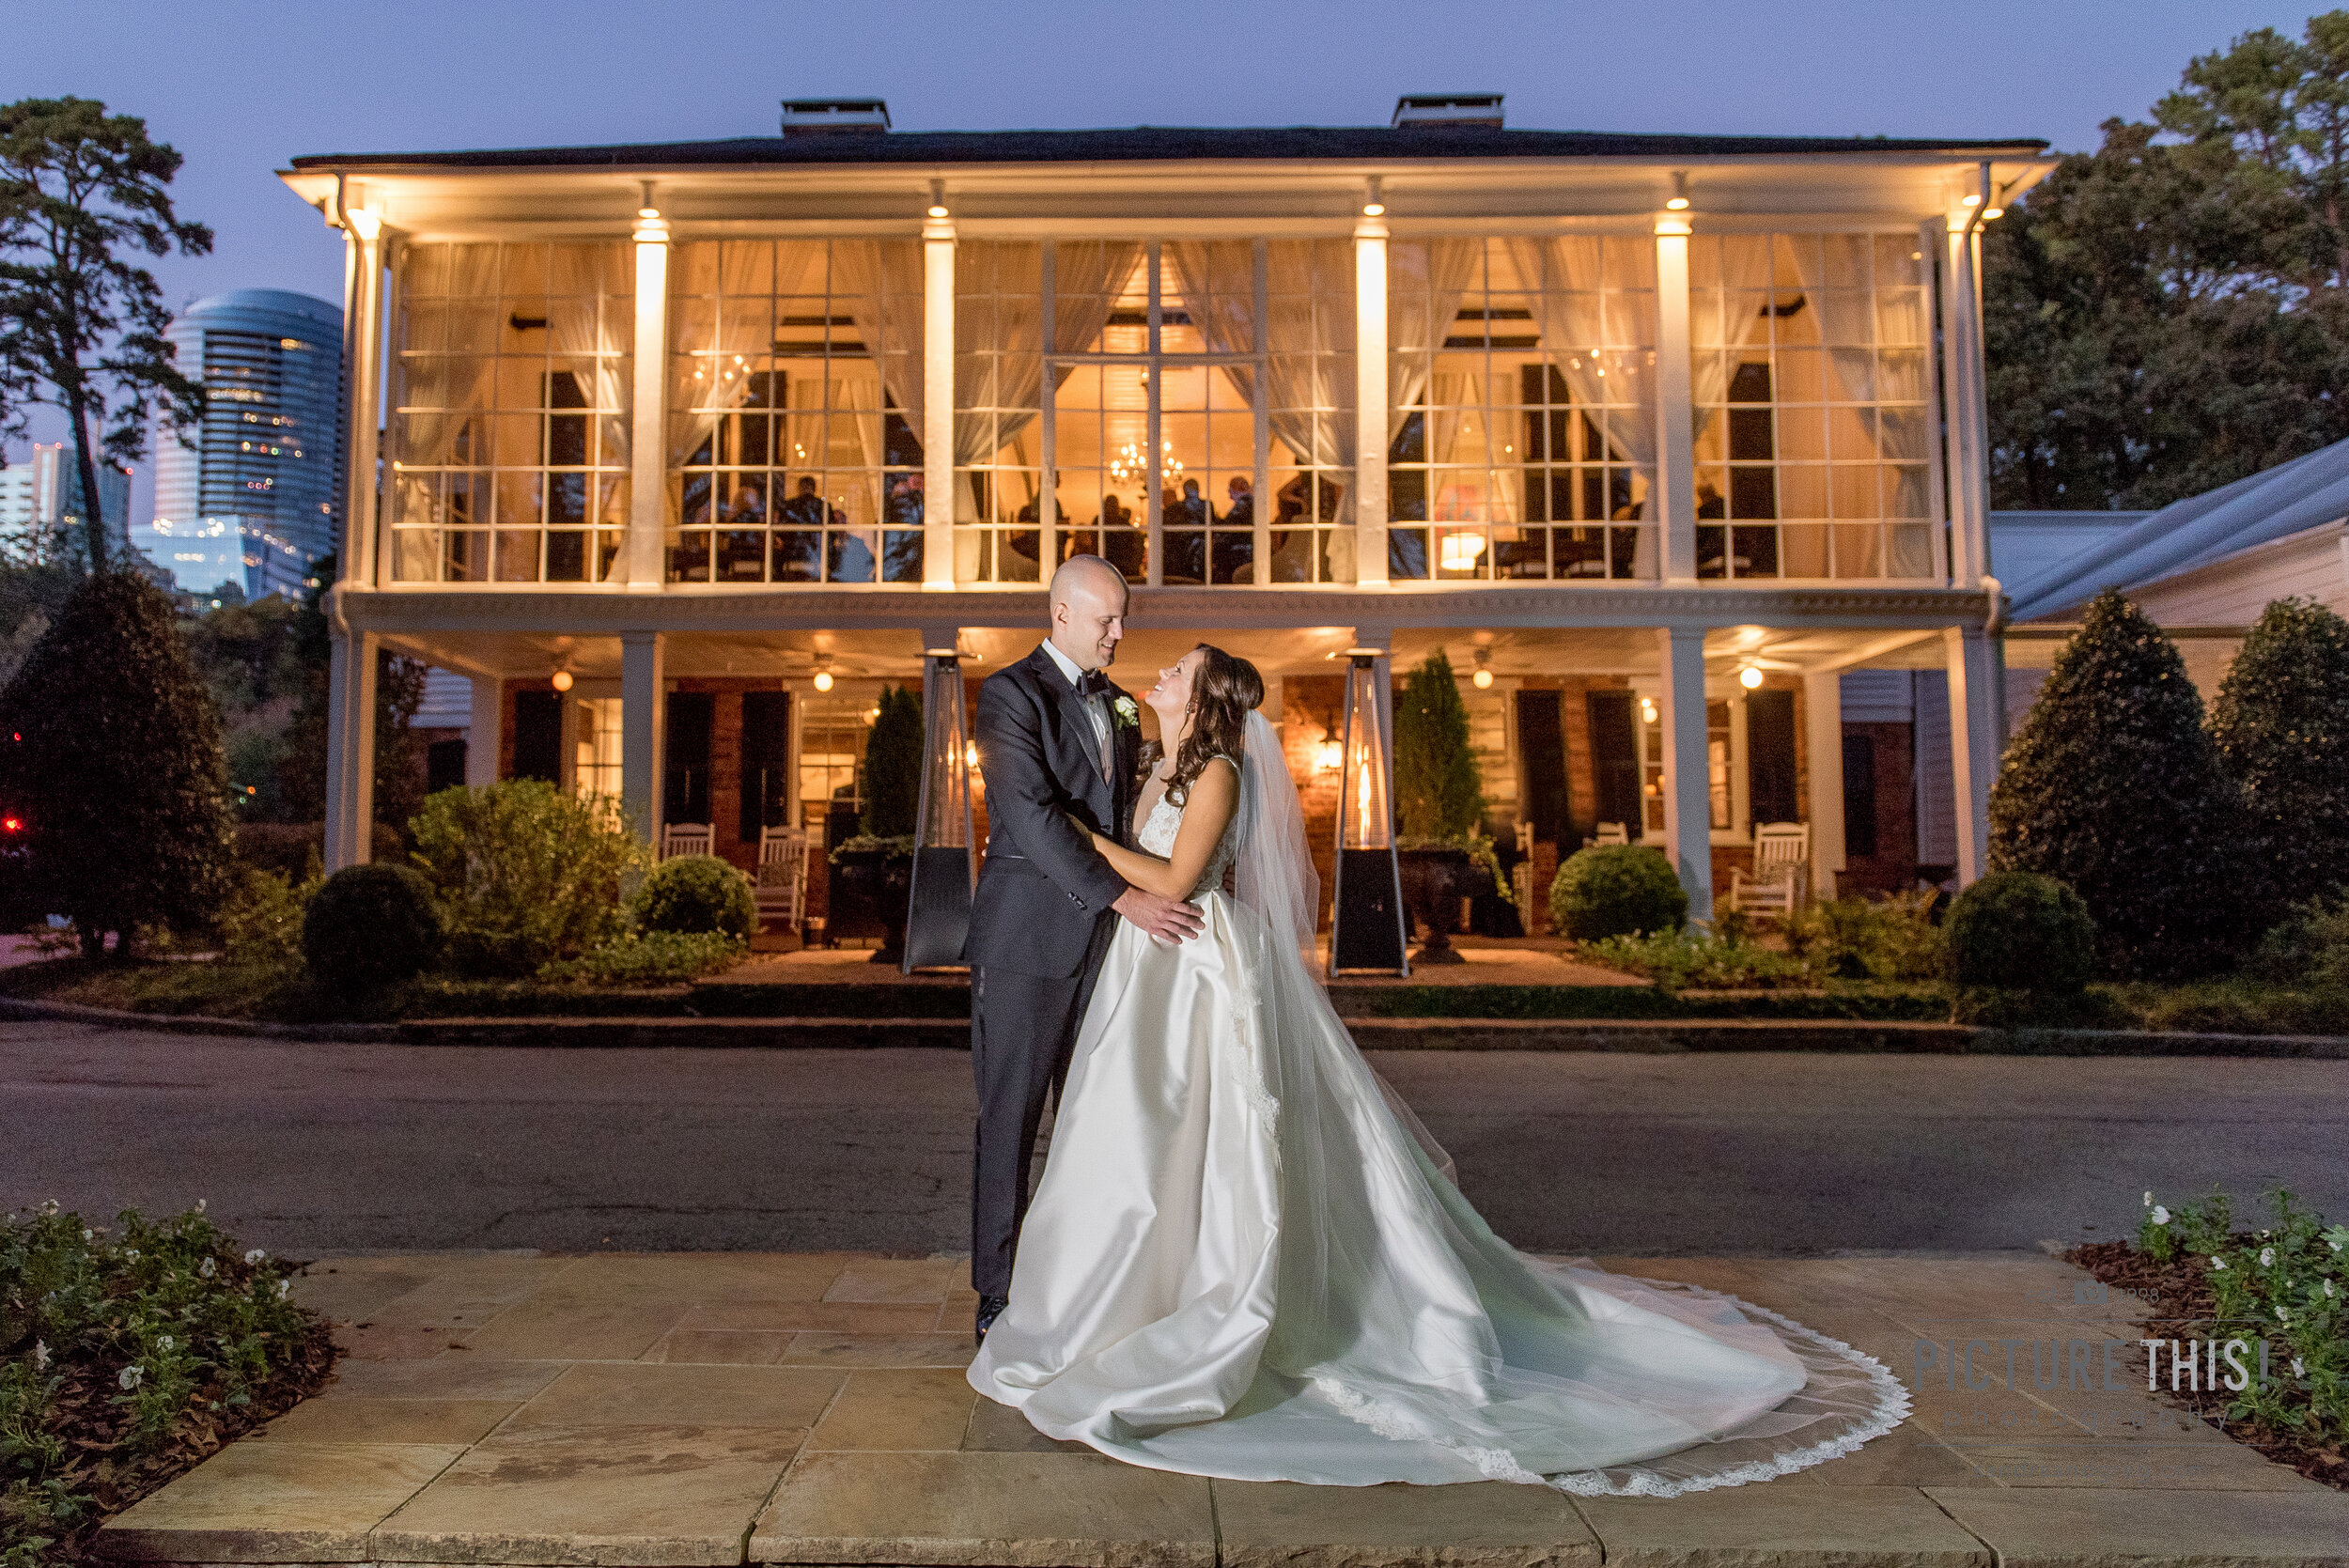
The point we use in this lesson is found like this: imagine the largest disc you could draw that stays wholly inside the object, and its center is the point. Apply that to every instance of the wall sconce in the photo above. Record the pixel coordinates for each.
(1376, 207)
(1678, 200)
(1330, 752)
(1483, 679)
(938, 198)
(562, 682)
(1750, 676)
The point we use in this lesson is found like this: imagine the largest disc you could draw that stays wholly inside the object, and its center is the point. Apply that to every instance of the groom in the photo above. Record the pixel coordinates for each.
(1055, 739)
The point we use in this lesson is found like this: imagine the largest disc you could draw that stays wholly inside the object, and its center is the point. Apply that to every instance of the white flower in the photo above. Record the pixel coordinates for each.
(2219, 1262)
(206, 1269)
(199, 1206)
(2280, 1317)
(2297, 1370)
(129, 1254)
(2149, 1197)
(164, 1342)
(89, 1234)
(2267, 1257)
(256, 1255)
(285, 1288)
(2334, 1245)
(2328, 1287)
(2161, 1215)
(49, 1207)
(131, 1376)
(41, 1355)
(1126, 712)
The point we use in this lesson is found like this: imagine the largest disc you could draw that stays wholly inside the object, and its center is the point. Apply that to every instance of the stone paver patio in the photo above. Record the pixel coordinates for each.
(791, 1408)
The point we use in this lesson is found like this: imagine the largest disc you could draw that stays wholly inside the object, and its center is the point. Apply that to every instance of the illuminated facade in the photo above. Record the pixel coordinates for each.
(258, 497)
(1663, 434)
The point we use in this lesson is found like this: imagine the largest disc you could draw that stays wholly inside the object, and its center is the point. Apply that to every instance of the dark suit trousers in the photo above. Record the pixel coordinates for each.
(1023, 1028)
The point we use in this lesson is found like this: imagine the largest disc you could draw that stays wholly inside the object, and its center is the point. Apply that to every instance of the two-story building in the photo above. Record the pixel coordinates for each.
(679, 451)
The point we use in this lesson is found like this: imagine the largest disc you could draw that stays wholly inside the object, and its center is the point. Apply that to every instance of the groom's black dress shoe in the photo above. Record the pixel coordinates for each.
(990, 1307)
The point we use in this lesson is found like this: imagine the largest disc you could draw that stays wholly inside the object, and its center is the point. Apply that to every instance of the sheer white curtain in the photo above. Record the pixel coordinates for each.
(880, 282)
(1425, 282)
(1600, 334)
(1745, 271)
(723, 298)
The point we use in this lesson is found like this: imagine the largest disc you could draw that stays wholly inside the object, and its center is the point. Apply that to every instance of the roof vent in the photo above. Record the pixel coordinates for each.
(822, 116)
(1417, 111)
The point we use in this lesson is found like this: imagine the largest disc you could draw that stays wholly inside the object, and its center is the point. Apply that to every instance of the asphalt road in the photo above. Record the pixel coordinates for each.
(303, 1148)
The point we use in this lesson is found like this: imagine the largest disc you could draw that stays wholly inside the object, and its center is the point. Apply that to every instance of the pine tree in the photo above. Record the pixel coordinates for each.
(1438, 789)
(113, 764)
(2282, 726)
(893, 764)
(2113, 786)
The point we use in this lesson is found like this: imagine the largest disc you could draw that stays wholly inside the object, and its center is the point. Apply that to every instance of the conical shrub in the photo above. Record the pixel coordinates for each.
(2281, 722)
(2113, 787)
(110, 756)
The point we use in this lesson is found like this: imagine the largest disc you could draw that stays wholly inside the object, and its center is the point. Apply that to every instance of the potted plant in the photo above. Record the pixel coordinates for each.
(1439, 805)
(873, 872)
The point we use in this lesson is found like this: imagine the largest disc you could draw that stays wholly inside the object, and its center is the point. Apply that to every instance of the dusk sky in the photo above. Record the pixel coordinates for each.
(240, 88)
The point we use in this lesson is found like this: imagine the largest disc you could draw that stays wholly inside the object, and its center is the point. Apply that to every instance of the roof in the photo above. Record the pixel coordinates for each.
(277, 302)
(2306, 492)
(2027, 544)
(1170, 144)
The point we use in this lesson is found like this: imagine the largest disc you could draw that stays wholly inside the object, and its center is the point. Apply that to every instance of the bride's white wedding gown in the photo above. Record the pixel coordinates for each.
(1239, 1263)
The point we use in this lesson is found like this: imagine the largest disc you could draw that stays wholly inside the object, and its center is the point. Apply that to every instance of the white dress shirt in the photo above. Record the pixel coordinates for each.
(1098, 709)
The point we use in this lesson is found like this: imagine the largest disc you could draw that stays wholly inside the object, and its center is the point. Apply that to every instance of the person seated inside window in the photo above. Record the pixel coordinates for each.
(799, 536)
(1123, 544)
(1241, 512)
(1192, 510)
(902, 549)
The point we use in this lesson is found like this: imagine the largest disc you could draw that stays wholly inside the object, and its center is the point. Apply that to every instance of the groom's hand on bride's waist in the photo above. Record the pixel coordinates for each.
(1166, 919)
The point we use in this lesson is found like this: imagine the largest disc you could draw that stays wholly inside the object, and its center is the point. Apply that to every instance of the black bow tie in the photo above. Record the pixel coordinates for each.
(1092, 683)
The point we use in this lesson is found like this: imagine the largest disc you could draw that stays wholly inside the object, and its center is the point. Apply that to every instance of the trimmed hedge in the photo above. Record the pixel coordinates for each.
(2020, 931)
(694, 894)
(1616, 889)
(370, 926)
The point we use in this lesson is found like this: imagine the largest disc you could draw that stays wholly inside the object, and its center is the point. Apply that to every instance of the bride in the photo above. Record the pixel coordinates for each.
(1246, 1260)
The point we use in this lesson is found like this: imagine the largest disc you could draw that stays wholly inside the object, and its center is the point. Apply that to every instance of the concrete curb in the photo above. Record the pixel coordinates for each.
(1654, 1037)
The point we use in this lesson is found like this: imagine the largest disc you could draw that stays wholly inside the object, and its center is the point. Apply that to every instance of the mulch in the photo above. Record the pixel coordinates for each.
(2179, 1298)
(104, 1467)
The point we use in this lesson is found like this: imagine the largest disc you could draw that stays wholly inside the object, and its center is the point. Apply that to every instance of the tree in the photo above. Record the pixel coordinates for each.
(81, 326)
(1438, 789)
(2171, 313)
(114, 762)
(2282, 723)
(2113, 787)
(893, 766)
(301, 764)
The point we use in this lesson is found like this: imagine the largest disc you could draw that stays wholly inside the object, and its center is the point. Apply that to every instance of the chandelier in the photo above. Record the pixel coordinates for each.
(1129, 464)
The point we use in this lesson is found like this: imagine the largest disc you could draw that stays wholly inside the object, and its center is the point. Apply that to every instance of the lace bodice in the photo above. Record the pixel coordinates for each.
(1155, 835)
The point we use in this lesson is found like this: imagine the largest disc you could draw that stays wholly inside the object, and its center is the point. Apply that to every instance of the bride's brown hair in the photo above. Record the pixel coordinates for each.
(1226, 691)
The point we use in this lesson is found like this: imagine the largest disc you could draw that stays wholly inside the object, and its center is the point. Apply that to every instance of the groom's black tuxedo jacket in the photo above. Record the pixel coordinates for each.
(1044, 889)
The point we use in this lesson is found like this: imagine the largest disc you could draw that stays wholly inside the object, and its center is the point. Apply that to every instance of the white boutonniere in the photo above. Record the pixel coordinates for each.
(1129, 716)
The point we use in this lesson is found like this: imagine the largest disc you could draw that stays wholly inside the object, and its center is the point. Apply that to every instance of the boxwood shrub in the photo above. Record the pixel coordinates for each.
(1616, 889)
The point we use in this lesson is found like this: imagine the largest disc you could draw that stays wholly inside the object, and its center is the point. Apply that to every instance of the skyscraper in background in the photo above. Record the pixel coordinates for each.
(258, 498)
(41, 504)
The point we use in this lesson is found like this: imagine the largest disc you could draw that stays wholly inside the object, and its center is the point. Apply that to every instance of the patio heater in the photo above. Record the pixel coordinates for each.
(1366, 922)
(938, 904)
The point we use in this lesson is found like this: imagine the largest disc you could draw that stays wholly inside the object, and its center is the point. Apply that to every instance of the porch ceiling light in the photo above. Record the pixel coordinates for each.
(1483, 679)
(1750, 676)
(1678, 200)
(823, 677)
(1374, 206)
(1969, 199)
(938, 198)
(1990, 212)
(1647, 710)
(562, 682)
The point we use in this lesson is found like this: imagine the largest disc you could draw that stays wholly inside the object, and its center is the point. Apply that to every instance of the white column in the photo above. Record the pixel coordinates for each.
(1967, 411)
(938, 402)
(485, 736)
(647, 437)
(1370, 402)
(1687, 798)
(1673, 505)
(1823, 736)
(1973, 745)
(363, 370)
(350, 748)
(643, 705)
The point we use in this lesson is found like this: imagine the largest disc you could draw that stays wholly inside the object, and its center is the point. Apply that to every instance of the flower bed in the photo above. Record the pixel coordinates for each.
(2284, 1286)
(127, 1355)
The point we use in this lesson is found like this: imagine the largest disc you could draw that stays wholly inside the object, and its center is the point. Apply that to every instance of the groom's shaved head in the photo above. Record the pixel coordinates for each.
(1088, 571)
(1088, 611)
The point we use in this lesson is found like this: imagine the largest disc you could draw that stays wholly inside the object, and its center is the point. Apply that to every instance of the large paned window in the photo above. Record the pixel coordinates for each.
(1522, 439)
(1194, 393)
(794, 403)
(1810, 392)
(508, 439)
